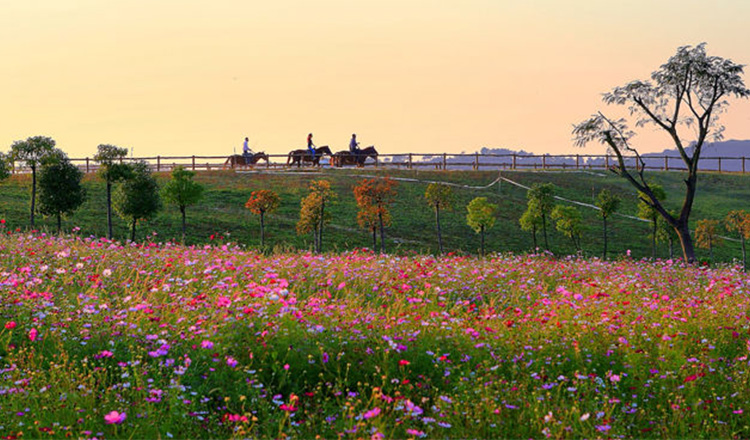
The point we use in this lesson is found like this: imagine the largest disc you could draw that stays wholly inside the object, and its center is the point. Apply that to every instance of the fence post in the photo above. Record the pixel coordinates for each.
(377, 162)
(743, 164)
(87, 165)
(666, 163)
(578, 160)
(514, 161)
(158, 163)
(719, 164)
(445, 160)
(410, 162)
(544, 163)
(194, 162)
(606, 161)
(476, 161)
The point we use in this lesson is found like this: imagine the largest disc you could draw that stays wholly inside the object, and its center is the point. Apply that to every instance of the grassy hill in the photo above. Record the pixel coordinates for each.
(222, 214)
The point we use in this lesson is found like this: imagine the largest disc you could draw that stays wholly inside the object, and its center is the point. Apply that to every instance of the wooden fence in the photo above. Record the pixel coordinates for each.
(445, 161)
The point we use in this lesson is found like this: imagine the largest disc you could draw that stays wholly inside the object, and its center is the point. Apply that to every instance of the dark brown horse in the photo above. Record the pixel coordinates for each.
(299, 156)
(236, 160)
(342, 158)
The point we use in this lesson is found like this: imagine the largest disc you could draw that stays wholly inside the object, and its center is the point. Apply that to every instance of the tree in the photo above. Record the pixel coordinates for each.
(541, 201)
(60, 189)
(138, 197)
(5, 166)
(375, 196)
(32, 151)
(182, 191)
(439, 196)
(739, 221)
(480, 217)
(607, 203)
(261, 202)
(647, 211)
(313, 215)
(707, 235)
(689, 91)
(666, 233)
(531, 220)
(569, 222)
(112, 170)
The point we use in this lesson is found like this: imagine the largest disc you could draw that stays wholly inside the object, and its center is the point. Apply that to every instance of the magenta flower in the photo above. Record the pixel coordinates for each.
(33, 333)
(114, 418)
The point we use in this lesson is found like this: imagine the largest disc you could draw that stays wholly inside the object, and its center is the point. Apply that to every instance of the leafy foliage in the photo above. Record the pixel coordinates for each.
(183, 191)
(60, 189)
(32, 151)
(541, 201)
(261, 202)
(607, 202)
(707, 235)
(5, 166)
(313, 216)
(569, 222)
(138, 197)
(374, 197)
(481, 214)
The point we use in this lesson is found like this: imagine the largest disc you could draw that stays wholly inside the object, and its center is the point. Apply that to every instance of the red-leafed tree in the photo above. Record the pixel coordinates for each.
(374, 196)
(261, 202)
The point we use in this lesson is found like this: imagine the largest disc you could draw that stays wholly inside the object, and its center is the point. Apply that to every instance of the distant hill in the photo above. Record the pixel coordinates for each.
(732, 153)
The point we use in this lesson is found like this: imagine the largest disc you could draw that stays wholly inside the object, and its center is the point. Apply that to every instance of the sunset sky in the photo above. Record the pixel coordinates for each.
(184, 77)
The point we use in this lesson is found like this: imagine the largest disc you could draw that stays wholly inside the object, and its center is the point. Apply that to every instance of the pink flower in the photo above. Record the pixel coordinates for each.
(10, 325)
(403, 362)
(114, 418)
(207, 344)
(286, 366)
(371, 413)
(232, 362)
(33, 333)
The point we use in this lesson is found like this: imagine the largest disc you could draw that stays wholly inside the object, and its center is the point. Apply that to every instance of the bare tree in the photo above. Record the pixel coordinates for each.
(689, 91)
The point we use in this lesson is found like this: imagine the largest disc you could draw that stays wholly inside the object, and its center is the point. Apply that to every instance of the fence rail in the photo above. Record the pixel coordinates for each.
(445, 161)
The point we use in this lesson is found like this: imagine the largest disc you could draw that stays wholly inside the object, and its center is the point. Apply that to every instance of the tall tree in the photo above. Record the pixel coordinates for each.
(313, 215)
(480, 217)
(182, 191)
(707, 235)
(60, 189)
(689, 91)
(138, 197)
(666, 233)
(647, 211)
(541, 200)
(5, 166)
(608, 204)
(531, 220)
(260, 203)
(112, 170)
(569, 222)
(739, 221)
(440, 197)
(368, 219)
(377, 195)
(32, 151)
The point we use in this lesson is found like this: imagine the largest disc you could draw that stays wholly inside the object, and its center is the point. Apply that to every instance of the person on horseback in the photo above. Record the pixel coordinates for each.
(354, 145)
(310, 145)
(247, 153)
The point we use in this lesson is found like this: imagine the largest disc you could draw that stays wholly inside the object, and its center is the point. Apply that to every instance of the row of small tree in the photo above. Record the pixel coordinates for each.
(136, 194)
(374, 198)
(737, 222)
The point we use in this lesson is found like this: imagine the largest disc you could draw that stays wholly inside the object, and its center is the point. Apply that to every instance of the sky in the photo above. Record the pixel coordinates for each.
(187, 77)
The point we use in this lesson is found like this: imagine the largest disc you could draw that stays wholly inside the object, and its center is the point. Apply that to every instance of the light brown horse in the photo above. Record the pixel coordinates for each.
(236, 160)
(342, 158)
(299, 156)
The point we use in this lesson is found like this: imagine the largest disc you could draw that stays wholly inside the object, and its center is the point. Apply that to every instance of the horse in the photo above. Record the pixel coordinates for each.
(342, 158)
(240, 160)
(298, 156)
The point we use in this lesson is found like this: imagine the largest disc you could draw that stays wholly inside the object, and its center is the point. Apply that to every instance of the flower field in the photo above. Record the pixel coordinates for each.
(162, 341)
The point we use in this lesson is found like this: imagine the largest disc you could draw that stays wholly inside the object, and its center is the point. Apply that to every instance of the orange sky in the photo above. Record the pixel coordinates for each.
(195, 77)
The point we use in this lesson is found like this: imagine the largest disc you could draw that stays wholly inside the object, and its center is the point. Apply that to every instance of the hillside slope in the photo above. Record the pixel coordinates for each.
(222, 214)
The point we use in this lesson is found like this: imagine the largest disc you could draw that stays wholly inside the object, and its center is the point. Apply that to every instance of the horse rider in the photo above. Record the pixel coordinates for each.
(310, 146)
(247, 153)
(354, 146)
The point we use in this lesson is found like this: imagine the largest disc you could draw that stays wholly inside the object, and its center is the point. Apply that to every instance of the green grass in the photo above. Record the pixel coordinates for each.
(222, 214)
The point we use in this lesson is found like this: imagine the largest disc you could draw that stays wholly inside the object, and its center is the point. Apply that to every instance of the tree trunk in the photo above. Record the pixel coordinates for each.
(671, 247)
(109, 209)
(382, 233)
(182, 210)
(439, 235)
(481, 240)
(374, 238)
(533, 234)
(711, 250)
(686, 242)
(262, 230)
(744, 255)
(132, 232)
(653, 240)
(59, 223)
(604, 253)
(33, 193)
(320, 227)
(544, 229)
